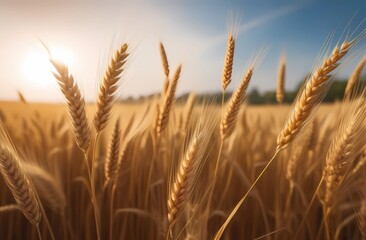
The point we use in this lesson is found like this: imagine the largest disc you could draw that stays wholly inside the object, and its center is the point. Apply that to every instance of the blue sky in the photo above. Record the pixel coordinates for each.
(193, 32)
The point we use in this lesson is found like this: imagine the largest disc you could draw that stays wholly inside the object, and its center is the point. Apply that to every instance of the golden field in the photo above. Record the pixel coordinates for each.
(163, 169)
(43, 137)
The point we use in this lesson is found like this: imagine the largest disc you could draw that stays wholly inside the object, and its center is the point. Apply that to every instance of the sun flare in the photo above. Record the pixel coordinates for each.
(37, 69)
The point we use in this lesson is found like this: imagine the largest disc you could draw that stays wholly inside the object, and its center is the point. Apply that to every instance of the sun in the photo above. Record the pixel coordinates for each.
(37, 69)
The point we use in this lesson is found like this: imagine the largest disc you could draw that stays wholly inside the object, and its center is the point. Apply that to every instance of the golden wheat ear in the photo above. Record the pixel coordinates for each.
(229, 60)
(109, 87)
(75, 104)
(19, 184)
(164, 60)
(165, 63)
(169, 99)
(311, 95)
(348, 142)
(229, 119)
(190, 166)
(280, 91)
(110, 166)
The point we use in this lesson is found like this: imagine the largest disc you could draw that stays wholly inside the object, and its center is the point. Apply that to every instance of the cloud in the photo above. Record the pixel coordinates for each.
(261, 20)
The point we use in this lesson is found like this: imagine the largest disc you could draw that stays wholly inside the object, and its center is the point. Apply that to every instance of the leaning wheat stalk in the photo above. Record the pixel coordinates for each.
(228, 63)
(109, 87)
(280, 91)
(310, 97)
(307, 100)
(19, 184)
(354, 77)
(75, 104)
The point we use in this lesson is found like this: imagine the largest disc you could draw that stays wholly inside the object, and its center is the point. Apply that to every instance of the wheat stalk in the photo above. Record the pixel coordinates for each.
(228, 63)
(236, 100)
(280, 91)
(109, 87)
(75, 103)
(311, 95)
(19, 185)
(354, 77)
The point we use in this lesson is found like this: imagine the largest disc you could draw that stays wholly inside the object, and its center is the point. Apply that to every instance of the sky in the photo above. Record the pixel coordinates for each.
(84, 34)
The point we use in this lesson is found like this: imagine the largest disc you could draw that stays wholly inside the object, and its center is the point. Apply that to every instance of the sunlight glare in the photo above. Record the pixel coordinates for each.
(37, 69)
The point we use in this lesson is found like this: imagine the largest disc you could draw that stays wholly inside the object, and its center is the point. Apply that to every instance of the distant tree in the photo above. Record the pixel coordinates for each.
(254, 97)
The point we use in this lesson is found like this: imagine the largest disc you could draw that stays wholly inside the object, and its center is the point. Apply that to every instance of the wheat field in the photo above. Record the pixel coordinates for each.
(161, 169)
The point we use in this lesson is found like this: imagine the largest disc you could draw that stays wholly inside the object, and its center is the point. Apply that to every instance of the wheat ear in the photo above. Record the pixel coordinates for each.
(181, 184)
(165, 63)
(229, 60)
(190, 166)
(164, 60)
(347, 143)
(280, 91)
(19, 185)
(354, 77)
(109, 87)
(22, 98)
(110, 166)
(310, 97)
(236, 100)
(75, 104)
(169, 99)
